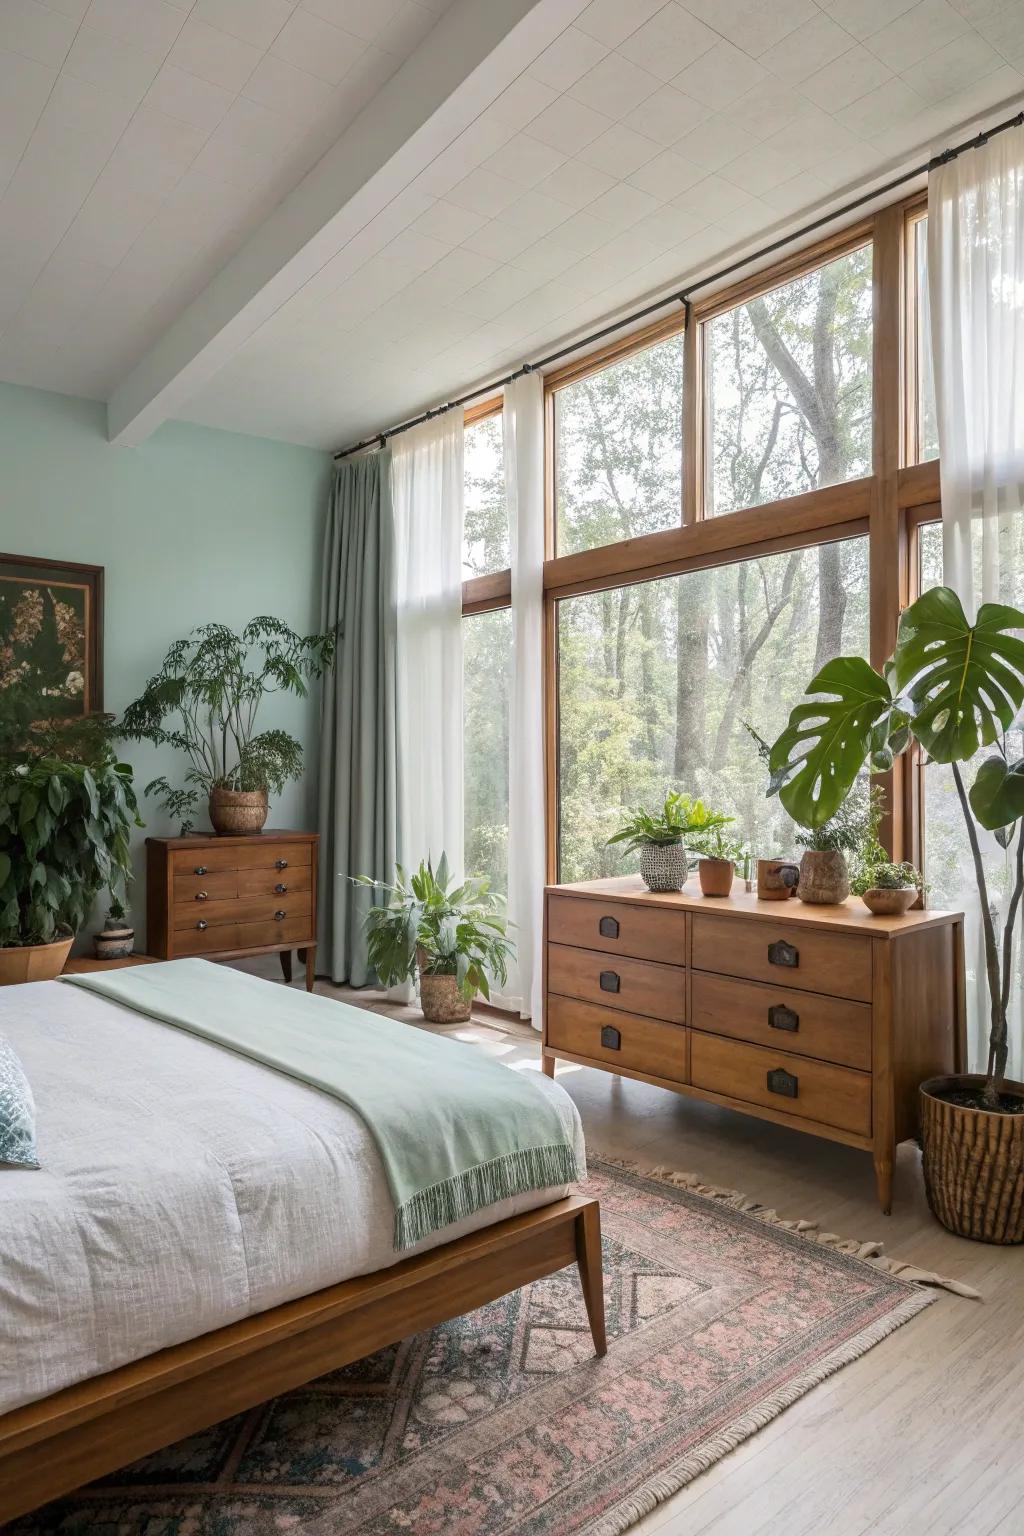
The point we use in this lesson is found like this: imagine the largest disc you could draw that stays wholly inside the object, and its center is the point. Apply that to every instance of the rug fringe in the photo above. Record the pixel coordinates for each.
(869, 1253)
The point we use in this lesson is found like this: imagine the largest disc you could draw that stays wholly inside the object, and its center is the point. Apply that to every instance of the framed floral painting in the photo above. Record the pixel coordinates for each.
(51, 633)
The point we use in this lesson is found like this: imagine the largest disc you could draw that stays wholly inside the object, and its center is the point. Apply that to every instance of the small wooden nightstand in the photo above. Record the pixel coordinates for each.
(82, 965)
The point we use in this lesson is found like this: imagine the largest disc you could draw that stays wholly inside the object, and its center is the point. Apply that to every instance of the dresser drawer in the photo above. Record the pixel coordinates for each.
(614, 981)
(620, 1039)
(254, 854)
(809, 959)
(618, 928)
(226, 937)
(805, 1023)
(275, 882)
(791, 1084)
(190, 890)
(243, 909)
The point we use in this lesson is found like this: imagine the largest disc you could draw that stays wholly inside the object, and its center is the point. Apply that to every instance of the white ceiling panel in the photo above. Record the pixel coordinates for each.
(145, 145)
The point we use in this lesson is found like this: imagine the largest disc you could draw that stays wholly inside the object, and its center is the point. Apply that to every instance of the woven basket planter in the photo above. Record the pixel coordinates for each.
(663, 866)
(973, 1163)
(440, 998)
(237, 812)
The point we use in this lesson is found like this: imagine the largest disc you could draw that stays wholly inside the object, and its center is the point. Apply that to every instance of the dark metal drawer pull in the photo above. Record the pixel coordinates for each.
(608, 928)
(781, 1017)
(781, 953)
(201, 925)
(280, 889)
(783, 1082)
(280, 863)
(280, 913)
(202, 895)
(200, 869)
(611, 1039)
(609, 981)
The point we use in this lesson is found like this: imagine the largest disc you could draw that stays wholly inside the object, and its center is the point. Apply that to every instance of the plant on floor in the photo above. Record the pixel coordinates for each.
(67, 807)
(454, 936)
(955, 688)
(662, 837)
(205, 701)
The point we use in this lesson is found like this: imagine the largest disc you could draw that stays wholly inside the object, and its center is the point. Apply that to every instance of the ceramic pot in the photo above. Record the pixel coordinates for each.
(885, 901)
(115, 941)
(663, 866)
(33, 962)
(237, 812)
(716, 876)
(776, 879)
(973, 1162)
(440, 998)
(824, 878)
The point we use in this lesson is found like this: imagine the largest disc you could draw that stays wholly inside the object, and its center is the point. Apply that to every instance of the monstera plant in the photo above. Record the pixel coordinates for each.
(956, 688)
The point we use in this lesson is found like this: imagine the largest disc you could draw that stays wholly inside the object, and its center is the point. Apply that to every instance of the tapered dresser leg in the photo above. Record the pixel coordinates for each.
(286, 964)
(310, 956)
(588, 1258)
(883, 1182)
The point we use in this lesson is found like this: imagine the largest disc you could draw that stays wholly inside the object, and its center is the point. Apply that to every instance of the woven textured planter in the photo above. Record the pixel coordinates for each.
(884, 901)
(824, 878)
(973, 1163)
(440, 998)
(33, 962)
(115, 941)
(663, 866)
(716, 876)
(237, 812)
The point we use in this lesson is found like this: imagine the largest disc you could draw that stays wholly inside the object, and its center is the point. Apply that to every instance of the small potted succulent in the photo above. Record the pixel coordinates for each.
(661, 837)
(116, 939)
(718, 858)
(887, 890)
(455, 939)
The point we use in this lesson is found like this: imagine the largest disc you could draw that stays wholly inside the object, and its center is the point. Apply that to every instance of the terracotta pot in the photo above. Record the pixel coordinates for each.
(824, 878)
(884, 901)
(663, 866)
(973, 1162)
(33, 962)
(776, 879)
(440, 998)
(115, 941)
(237, 812)
(716, 876)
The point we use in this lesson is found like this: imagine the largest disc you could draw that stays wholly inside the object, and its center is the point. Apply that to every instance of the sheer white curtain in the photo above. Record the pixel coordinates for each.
(523, 422)
(427, 493)
(976, 294)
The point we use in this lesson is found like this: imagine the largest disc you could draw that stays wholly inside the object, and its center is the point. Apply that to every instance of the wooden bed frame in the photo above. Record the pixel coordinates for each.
(50, 1447)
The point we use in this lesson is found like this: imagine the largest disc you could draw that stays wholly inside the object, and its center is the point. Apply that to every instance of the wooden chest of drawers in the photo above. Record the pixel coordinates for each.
(825, 1019)
(224, 897)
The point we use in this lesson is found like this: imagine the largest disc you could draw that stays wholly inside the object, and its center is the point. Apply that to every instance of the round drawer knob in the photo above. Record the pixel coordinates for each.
(280, 913)
(201, 895)
(201, 925)
(280, 863)
(280, 889)
(200, 869)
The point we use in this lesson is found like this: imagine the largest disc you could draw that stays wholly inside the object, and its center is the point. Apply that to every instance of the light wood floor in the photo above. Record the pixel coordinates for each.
(924, 1435)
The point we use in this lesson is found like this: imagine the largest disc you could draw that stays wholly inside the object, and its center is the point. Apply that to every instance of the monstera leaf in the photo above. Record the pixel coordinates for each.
(815, 761)
(997, 794)
(964, 682)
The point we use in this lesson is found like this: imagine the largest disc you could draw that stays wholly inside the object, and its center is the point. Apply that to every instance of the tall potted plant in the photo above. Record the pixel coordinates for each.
(205, 700)
(454, 937)
(660, 837)
(67, 807)
(955, 688)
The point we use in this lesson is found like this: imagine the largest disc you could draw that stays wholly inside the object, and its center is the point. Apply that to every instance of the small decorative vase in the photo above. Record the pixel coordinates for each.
(716, 876)
(973, 1159)
(884, 901)
(824, 878)
(237, 812)
(440, 998)
(663, 866)
(115, 941)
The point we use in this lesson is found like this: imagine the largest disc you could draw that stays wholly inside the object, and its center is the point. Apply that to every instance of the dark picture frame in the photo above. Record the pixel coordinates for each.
(51, 625)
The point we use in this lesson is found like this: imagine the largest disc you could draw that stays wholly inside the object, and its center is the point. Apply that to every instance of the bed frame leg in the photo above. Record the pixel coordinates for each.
(588, 1258)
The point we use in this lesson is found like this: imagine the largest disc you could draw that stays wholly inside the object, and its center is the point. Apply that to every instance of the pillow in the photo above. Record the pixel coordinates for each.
(17, 1113)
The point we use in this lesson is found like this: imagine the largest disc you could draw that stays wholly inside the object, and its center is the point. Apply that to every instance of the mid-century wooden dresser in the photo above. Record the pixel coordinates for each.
(825, 1019)
(225, 897)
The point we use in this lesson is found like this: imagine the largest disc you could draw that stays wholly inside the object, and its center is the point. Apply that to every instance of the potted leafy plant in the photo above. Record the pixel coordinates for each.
(210, 688)
(67, 807)
(718, 857)
(955, 688)
(660, 837)
(116, 939)
(887, 890)
(455, 939)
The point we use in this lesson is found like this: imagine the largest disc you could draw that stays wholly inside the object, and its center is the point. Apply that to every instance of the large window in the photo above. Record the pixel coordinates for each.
(658, 681)
(487, 666)
(926, 425)
(787, 388)
(619, 450)
(485, 546)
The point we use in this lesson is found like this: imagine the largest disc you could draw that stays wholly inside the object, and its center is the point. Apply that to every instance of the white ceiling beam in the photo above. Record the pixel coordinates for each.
(474, 53)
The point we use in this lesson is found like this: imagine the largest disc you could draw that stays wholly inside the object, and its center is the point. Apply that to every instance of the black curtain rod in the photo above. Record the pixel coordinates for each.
(684, 296)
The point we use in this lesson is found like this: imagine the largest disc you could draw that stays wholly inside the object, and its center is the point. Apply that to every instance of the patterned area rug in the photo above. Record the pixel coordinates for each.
(503, 1424)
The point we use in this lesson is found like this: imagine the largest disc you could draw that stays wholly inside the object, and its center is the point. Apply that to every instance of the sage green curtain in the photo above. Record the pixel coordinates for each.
(358, 812)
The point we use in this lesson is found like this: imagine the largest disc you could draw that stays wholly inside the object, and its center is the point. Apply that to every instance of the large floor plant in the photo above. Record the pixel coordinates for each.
(956, 688)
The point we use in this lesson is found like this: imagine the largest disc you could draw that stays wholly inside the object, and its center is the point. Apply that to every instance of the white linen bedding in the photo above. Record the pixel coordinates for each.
(182, 1187)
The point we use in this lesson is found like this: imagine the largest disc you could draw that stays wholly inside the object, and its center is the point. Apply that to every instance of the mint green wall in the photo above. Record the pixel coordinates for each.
(191, 526)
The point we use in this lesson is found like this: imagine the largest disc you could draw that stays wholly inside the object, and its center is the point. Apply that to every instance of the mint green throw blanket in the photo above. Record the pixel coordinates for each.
(456, 1131)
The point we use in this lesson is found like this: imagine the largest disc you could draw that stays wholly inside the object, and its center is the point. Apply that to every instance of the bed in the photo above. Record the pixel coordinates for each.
(205, 1233)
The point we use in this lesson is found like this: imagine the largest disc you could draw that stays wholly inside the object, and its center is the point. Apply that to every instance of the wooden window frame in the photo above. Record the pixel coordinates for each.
(482, 594)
